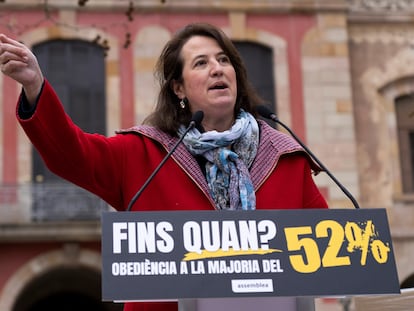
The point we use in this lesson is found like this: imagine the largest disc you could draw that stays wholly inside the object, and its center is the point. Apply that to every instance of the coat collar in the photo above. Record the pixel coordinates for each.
(273, 144)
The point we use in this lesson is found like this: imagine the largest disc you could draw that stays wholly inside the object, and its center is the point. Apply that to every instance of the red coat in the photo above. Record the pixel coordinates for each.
(115, 168)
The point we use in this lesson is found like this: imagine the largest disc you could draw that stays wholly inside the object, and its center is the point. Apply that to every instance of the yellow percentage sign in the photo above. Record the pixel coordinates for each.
(361, 239)
(380, 251)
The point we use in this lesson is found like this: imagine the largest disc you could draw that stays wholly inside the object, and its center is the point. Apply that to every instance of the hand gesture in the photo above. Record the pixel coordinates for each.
(20, 64)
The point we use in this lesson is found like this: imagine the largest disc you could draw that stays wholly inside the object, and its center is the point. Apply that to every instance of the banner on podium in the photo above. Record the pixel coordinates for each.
(209, 254)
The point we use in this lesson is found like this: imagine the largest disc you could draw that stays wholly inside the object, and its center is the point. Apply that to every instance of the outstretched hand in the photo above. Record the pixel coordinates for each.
(20, 64)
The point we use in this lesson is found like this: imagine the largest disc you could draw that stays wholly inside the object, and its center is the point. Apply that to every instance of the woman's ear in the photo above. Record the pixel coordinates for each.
(177, 87)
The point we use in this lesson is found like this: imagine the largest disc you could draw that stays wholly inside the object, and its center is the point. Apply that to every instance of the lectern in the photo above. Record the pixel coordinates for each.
(246, 260)
(248, 304)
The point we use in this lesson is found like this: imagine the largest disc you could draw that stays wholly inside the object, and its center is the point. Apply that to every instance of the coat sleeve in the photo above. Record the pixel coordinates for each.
(91, 161)
(312, 197)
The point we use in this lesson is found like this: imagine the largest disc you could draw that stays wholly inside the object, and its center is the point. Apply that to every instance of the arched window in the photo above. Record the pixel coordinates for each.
(404, 106)
(76, 69)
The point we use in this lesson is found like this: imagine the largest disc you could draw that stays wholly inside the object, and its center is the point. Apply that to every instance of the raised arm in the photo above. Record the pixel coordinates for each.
(20, 64)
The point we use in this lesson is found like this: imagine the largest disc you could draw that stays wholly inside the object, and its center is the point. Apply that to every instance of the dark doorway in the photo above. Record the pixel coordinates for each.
(65, 289)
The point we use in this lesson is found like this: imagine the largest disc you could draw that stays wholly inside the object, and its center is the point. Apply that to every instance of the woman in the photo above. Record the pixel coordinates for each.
(231, 161)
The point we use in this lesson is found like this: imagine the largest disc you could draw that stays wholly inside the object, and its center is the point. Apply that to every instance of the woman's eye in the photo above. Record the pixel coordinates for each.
(224, 59)
(200, 62)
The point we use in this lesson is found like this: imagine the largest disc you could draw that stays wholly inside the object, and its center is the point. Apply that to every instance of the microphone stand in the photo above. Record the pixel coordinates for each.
(266, 113)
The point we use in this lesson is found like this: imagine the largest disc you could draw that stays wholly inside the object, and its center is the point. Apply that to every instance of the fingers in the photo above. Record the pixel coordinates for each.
(10, 63)
(20, 64)
(11, 48)
(13, 55)
(7, 55)
(12, 67)
(5, 39)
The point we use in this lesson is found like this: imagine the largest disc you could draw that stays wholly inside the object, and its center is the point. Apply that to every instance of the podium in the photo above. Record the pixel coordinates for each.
(402, 302)
(248, 304)
(246, 260)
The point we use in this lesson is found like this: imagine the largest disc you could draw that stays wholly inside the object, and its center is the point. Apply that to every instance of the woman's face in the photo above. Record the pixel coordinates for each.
(209, 82)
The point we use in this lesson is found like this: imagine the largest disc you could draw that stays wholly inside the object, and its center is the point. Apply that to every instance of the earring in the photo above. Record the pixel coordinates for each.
(182, 103)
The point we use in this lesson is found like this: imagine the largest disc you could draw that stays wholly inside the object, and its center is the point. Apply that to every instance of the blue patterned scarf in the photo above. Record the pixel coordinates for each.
(229, 154)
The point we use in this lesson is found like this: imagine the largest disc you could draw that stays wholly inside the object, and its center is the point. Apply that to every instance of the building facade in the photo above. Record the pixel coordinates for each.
(338, 72)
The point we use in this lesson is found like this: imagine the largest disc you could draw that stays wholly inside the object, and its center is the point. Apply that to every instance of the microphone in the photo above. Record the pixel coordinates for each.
(195, 121)
(266, 113)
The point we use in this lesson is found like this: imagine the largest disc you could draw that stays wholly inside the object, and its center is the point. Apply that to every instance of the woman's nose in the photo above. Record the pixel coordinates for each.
(217, 68)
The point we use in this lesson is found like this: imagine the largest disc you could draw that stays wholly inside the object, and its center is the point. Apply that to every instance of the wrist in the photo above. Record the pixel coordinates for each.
(32, 90)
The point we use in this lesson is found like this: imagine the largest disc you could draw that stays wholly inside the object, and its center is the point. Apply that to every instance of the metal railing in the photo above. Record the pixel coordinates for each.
(49, 202)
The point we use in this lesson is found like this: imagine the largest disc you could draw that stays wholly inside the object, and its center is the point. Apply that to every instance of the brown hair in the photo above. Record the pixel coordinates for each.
(168, 116)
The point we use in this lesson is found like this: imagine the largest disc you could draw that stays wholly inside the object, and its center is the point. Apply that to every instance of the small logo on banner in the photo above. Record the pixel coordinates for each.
(252, 286)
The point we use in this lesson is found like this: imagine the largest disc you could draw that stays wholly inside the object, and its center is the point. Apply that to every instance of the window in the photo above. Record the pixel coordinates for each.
(405, 125)
(258, 60)
(76, 69)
